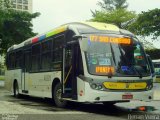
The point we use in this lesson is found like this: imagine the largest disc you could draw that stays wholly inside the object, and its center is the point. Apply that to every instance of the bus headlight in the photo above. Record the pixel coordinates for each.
(96, 86)
(99, 87)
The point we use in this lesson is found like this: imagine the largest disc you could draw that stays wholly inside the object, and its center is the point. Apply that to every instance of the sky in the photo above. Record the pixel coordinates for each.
(58, 12)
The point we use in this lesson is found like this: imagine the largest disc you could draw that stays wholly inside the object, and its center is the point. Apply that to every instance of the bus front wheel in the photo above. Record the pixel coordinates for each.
(57, 96)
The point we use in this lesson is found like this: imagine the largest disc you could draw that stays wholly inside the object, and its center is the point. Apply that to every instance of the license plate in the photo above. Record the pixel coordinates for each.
(127, 96)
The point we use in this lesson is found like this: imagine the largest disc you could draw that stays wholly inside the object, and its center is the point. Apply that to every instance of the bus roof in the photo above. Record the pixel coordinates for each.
(77, 27)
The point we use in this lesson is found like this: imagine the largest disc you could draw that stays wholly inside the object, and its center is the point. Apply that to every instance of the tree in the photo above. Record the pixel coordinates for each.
(5, 4)
(2, 68)
(119, 17)
(147, 45)
(154, 53)
(147, 24)
(114, 12)
(15, 27)
(113, 4)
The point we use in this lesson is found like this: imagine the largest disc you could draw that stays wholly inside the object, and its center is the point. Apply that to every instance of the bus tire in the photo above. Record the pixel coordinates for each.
(57, 96)
(15, 89)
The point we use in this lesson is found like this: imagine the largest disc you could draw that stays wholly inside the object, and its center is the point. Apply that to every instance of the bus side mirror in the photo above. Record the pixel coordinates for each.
(84, 44)
(83, 41)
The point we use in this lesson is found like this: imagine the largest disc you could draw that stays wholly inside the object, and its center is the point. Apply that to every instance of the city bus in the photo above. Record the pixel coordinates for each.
(157, 69)
(89, 62)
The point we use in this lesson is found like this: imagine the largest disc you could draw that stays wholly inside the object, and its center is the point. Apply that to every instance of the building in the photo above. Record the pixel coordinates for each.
(22, 5)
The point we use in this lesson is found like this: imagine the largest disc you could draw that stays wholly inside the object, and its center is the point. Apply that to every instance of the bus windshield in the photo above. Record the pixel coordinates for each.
(116, 56)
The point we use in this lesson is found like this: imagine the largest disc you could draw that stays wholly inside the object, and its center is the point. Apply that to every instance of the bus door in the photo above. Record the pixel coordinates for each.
(69, 82)
(25, 73)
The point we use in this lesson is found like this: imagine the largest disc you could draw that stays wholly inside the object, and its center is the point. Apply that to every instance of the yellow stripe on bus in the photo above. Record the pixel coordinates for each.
(120, 85)
(56, 31)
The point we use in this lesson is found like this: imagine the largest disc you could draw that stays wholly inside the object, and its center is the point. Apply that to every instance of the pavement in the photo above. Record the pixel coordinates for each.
(1, 83)
(156, 88)
(32, 108)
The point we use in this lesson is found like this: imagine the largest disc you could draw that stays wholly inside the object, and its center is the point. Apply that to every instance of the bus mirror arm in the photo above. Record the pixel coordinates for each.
(83, 42)
(76, 37)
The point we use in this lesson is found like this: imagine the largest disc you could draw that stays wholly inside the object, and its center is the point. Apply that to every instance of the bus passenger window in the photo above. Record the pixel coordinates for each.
(11, 60)
(35, 58)
(68, 54)
(18, 62)
(46, 55)
(57, 52)
(27, 61)
(57, 60)
(58, 42)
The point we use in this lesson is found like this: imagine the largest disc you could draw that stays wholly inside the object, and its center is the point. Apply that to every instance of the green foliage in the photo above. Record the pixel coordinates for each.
(2, 78)
(4, 4)
(113, 4)
(154, 53)
(147, 44)
(114, 12)
(2, 70)
(15, 27)
(118, 17)
(147, 23)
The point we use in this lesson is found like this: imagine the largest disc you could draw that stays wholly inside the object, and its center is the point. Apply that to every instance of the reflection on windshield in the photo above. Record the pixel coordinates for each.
(116, 59)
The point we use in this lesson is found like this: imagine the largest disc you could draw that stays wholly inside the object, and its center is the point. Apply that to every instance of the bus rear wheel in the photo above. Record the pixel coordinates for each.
(15, 90)
(57, 96)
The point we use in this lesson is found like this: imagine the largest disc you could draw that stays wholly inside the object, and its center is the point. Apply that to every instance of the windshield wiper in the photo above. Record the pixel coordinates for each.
(110, 73)
(139, 73)
(113, 54)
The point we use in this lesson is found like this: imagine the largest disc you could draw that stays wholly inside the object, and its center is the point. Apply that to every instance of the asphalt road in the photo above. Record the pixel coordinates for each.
(32, 108)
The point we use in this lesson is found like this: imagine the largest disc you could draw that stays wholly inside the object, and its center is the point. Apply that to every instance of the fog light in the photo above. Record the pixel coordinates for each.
(94, 86)
(99, 87)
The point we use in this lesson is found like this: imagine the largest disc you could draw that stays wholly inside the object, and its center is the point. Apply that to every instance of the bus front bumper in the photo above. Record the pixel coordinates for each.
(91, 95)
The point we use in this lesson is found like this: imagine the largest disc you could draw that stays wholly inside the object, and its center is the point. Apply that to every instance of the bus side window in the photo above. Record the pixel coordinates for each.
(11, 61)
(57, 52)
(46, 55)
(27, 61)
(18, 61)
(68, 57)
(35, 58)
